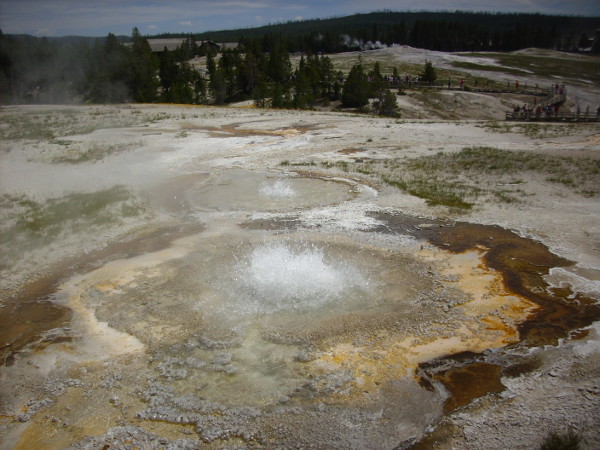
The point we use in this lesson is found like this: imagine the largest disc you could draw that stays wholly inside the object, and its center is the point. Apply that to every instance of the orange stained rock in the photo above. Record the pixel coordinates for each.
(488, 320)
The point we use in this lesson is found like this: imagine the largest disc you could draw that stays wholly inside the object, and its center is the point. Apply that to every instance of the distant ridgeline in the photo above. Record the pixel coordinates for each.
(444, 31)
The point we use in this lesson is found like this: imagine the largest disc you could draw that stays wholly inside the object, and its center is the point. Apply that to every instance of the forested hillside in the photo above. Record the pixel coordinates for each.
(445, 31)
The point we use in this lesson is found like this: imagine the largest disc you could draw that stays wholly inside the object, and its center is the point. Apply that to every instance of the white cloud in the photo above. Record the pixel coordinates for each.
(185, 23)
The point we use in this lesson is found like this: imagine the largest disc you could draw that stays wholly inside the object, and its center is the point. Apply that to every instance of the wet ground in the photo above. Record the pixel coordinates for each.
(30, 317)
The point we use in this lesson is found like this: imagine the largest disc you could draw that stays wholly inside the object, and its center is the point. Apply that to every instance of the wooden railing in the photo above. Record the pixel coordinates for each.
(546, 110)
(550, 100)
(536, 111)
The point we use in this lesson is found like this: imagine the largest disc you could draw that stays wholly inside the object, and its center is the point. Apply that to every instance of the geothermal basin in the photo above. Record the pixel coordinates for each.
(270, 308)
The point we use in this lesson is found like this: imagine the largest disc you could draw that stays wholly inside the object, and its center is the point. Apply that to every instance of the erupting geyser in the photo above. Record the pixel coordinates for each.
(277, 277)
(278, 189)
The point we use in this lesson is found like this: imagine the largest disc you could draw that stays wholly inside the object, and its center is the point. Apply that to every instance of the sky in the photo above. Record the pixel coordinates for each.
(100, 17)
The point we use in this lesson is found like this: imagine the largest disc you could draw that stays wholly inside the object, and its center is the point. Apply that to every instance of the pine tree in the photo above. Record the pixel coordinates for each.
(144, 82)
(229, 65)
(388, 105)
(216, 80)
(249, 74)
(5, 68)
(199, 88)
(376, 78)
(356, 88)
(429, 74)
(167, 72)
(303, 95)
(279, 66)
(327, 77)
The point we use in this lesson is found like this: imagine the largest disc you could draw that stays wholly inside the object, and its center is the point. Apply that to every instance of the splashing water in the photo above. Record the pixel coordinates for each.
(279, 189)
(277, 277)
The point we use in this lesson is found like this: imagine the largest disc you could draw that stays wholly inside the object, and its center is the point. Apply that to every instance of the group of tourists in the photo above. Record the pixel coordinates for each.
(548, 108)
(559, 89)
(537, 111)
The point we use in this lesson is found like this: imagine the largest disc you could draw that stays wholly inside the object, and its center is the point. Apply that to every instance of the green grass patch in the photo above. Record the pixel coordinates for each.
(74, 153)
(540, 130)
(28, 224)
(433, 193)
(576, 68)
(474, 66)
(579, 174)
(298, 164)
(48, 125)
(460, 180)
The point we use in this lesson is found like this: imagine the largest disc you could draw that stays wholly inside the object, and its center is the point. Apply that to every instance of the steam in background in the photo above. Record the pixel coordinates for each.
(359, 44)
(58, 71)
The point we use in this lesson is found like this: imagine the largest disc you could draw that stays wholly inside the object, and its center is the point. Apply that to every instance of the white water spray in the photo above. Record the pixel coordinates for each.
(278, 277)
(277, 190)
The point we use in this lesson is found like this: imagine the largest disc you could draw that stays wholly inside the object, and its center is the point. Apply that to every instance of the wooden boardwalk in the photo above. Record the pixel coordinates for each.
(532, 112)
(558, 117)
(539, 112)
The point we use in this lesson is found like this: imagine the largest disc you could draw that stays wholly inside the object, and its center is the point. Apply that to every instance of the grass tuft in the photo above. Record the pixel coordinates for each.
(556, 441)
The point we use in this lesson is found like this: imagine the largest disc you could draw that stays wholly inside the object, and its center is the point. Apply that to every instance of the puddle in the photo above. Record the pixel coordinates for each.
(243, 190)
(22, 323)
(250, 191)
(471, 381)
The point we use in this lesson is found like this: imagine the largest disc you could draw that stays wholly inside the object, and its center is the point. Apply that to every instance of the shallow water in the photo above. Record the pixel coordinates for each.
(246, 305)
(238, 189)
